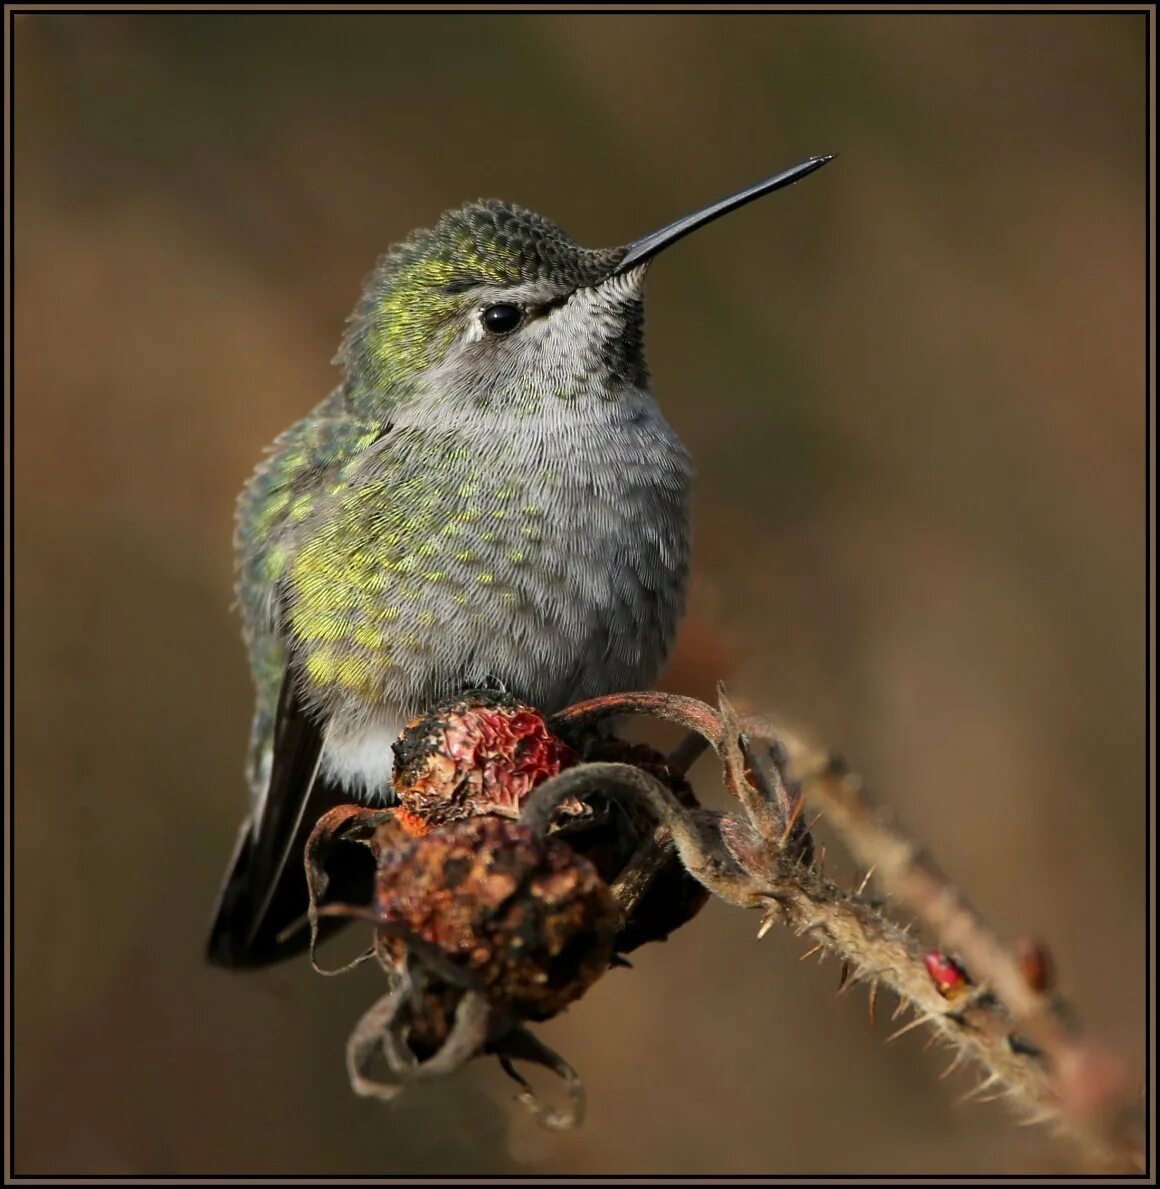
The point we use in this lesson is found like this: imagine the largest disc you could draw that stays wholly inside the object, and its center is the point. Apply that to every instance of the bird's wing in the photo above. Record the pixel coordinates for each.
(265, 887)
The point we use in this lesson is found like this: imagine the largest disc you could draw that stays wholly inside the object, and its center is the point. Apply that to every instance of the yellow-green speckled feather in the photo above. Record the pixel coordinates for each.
(279, 494)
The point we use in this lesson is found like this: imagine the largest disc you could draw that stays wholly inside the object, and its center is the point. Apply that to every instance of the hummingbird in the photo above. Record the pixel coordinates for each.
(490, 499)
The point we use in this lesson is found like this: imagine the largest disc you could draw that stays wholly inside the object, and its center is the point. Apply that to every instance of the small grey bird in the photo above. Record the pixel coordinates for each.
(490, 499)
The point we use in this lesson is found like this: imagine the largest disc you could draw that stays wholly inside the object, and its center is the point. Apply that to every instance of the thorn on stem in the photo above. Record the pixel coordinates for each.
(1039, 1117)
(981, 1088)
(792, 820)
(843, 977)
(955, 1063)
(918, 1020)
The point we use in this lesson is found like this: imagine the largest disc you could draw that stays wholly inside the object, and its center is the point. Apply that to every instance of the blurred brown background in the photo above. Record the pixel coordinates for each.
(914, 386)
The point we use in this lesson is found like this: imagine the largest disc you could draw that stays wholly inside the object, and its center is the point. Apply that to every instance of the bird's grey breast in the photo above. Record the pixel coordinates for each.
(546, 551)
(598, 600)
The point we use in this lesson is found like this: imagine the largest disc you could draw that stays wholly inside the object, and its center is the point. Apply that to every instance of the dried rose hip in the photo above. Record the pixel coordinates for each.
(481, 755)
(527, 920)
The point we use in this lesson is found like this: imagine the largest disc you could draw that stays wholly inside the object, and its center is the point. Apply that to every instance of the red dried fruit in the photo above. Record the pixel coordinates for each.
(947, 974)
(481, 755)
(528, 919)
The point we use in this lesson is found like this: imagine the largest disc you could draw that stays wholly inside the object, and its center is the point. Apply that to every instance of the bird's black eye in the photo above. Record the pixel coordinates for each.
(502, 318)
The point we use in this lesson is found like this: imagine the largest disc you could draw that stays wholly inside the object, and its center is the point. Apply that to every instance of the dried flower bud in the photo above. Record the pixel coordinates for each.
(481, 755)
(663, 896)
(947, 974)
(528, 919)
(609, 749)
(1034, 964)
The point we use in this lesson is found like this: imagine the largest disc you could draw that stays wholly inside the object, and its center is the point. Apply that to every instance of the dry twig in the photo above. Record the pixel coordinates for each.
(994, 1009)
(988, 1003)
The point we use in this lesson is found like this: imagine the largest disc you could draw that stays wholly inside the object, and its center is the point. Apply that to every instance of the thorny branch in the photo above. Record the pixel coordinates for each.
(987, 1003)
(1000, 1013)
(1087, 1085)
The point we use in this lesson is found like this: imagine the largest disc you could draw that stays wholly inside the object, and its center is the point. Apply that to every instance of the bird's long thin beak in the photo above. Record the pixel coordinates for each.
(646, 248)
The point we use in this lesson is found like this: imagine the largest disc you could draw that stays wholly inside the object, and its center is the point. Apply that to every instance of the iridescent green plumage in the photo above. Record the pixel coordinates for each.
(288, 482)
(333, 560)
(406, 321)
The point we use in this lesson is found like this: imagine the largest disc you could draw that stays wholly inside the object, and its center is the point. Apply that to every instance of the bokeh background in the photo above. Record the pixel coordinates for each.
(914, 386)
